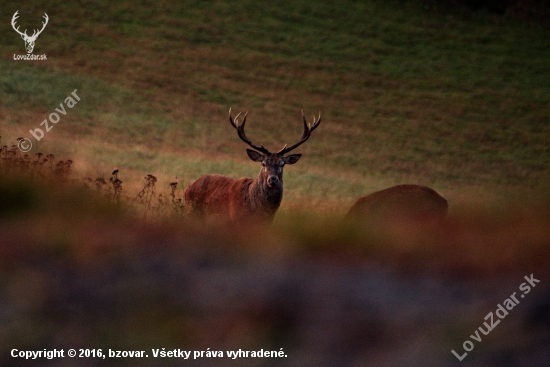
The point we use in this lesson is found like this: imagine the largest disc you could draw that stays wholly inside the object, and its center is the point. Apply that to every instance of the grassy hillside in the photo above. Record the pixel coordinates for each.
(409, 93)
(452, 99)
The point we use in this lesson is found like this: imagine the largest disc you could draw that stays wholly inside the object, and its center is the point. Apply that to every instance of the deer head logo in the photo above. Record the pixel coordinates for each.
(29, 40)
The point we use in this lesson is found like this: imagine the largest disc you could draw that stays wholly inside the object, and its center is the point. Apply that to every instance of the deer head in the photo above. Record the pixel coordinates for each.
(272, 163)
(29, 40)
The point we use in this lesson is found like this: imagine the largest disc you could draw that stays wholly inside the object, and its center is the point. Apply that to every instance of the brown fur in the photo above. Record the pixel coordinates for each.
(243, 198)
(234, 199)
(410, 202)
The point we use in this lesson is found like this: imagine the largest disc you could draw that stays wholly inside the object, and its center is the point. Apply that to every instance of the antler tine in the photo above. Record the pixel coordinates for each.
(241, 133)
(308, 128)
(244, 118)
(46, 18)
(14, 20)
(235, 121)
(316, 122)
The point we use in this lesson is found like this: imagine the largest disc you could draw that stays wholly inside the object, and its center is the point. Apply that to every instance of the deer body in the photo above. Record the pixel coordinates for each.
(219, 195)
(237, 199)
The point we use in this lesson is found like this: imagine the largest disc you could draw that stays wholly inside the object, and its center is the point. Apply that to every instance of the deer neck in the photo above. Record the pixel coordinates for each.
(264, 198)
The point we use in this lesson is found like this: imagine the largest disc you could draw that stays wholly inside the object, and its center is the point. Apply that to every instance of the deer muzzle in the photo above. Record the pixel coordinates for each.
(272, 181)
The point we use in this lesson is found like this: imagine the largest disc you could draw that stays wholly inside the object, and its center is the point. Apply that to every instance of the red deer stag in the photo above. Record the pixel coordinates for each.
(415, 203)
(234, 199)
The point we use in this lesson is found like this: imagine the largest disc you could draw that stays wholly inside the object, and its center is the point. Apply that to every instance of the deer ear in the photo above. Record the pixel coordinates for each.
(291, 159)
(254, 155)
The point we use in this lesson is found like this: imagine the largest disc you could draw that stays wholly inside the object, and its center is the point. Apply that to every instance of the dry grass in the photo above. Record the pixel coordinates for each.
(142, 276)
(490, 236)
(450, 100)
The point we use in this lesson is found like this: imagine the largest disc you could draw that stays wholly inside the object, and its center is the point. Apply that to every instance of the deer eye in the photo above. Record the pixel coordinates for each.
(263, 164)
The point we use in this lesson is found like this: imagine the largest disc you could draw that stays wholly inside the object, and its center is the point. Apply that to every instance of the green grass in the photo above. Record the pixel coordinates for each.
(25, 86)
(447, 98)
(455, 100)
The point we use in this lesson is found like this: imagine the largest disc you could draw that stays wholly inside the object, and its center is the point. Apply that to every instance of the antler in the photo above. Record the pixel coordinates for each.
(13, 19)
(35, 34)
(307, 133)
(242, 135)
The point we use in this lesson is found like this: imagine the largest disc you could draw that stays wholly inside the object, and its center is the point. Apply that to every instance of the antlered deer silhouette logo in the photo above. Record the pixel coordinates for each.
(29, 40)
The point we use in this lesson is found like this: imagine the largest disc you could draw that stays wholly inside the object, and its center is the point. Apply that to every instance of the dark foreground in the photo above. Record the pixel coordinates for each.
(98, 279)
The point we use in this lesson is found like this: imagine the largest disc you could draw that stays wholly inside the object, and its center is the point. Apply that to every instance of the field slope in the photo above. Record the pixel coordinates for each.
(453, 99)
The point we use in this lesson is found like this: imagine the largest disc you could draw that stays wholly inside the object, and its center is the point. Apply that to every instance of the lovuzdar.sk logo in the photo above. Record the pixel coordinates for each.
(29, 40)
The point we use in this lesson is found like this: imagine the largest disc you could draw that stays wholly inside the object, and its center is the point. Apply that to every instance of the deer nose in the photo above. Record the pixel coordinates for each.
(272, 181)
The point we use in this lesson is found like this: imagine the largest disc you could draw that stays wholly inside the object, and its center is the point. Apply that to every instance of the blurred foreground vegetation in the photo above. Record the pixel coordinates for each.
(82, 269)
